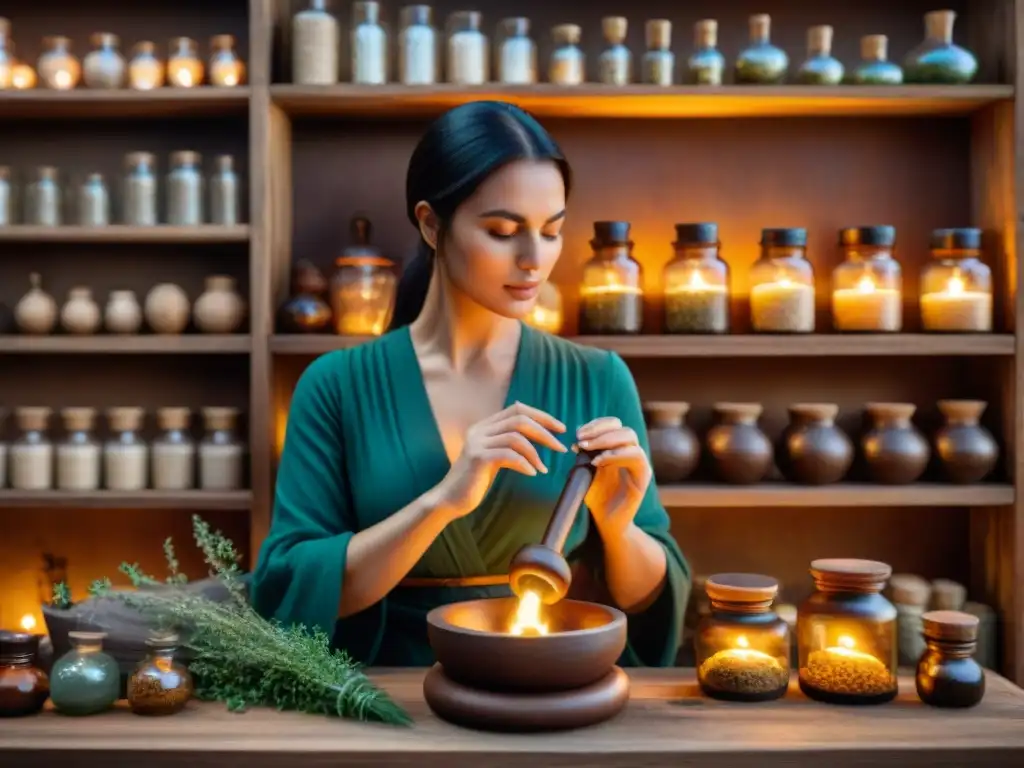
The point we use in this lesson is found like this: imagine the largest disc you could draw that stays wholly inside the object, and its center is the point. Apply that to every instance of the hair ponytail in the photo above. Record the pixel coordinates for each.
(412, 288)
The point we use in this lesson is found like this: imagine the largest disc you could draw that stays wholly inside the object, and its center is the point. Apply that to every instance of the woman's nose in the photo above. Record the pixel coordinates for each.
(528, 257)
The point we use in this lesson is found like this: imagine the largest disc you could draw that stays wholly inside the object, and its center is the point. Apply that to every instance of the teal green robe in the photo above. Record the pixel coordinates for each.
(362, 443)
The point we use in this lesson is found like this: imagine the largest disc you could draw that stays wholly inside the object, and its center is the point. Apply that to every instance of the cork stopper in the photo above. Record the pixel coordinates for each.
(224, 164)
(222, 43)
(47, 173)
(614, 28)
(220, 283)
(738, 412)
(665, 412)
(659, 33)
(951, 626)
(94, 178)
(57, 43)
(186, 157)
(896, 412)
(125, 418)
(104, 40)
(87, 637)
(144, 48)
(909, 589)
(760, 28)
(78, 419)
(938, 25)
(173, 418)
(164, 640)
(413, 15)
(948, 595)
(217, 419)
(515, 26)
(182, 46)
(5, 28)
(850, 575)
(140, 160)
(874, 47)
(566, 34)
(747, 592)
(819, 40)
(823, 412)
(705, 33)
(367, 12)
(33, 418)
(962, 411)
(80, 293)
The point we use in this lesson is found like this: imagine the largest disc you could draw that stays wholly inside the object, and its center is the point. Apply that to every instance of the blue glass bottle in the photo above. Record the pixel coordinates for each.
(85, 680)
(938, 59)
(821, 67)
(761, 63)
(875, 67)
(706, 64)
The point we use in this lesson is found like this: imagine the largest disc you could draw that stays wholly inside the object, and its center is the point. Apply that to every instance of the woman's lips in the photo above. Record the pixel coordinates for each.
(523, 292)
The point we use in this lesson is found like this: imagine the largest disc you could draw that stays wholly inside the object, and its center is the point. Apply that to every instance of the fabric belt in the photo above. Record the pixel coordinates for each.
(456, 581)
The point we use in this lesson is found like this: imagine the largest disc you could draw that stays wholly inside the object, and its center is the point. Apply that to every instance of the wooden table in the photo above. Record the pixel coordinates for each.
(667, 723)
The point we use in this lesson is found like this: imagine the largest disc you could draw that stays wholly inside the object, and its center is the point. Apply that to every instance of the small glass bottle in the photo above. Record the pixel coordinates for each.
(363, 286)
(8, 210)
(125, 454)
(315, 45)
(659, 62)
(615, 64)
(867, 288)
(611, 290)
(820, 67)
(517, 53)
(956, 286)
(742, 647)
(44, 198)
(57, 66)
(468, 58)
(369, 41)
(104, 66)
(93, 204)
(874, 67)
(761, 63)
(32, 453)
(782, 284)
(7, 60)
(23, 75)
(909, 594)
(568, 62)
(185, 189)
(173, 452)
(706, 64)
(947, 674)
(221, 454)
(145, 70)
(226, 67)
(696, 282)
(224, 192)
(184, 67)
(78, 454)
(140, 189)
(938, 59)
(847, 634)
(160, 684)
(417, 46)
(24, 688)
(85, 680)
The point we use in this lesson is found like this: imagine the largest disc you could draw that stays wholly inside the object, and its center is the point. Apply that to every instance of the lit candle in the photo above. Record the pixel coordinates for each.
(743, 667)
(184, 69)
(696, 306)
(226, 69)
(28, 622)
(612, 307)
(866, 307)
(783, 306)
(956, 309)
(23, 77)
(845, 670)
(145, 71)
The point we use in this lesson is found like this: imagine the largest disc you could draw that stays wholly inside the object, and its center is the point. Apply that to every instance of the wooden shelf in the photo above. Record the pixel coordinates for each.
(839, 495)
(647, 101)
(197, 344)
(120, 233)
(813, 345)
(162, 103)
(195, 500)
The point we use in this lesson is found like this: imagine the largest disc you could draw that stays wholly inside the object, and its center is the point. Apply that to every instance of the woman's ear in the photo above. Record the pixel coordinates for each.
(430, 226)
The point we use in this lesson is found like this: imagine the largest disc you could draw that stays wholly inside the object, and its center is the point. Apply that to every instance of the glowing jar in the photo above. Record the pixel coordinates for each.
(782, 284)
(226, 68)
(184, 68)
(956, 288)
(547, 312)
(145, 70)
(57, 66)
(696, 283)
(7, 60)
(846, 634)
(867, 288)
(363, 286)
(742, 646)
(23, 76)
(611, 292)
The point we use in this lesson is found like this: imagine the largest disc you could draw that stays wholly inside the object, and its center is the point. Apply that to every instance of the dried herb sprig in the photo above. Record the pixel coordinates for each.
(61, 597)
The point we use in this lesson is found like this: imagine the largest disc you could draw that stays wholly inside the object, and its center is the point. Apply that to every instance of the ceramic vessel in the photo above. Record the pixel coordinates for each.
(122, 314)
(85, 681)
(675, 450)
(36, 311)
(761, 63)
(160, 684)
(938, 59)
(874, 67)
(24, 687)
(80, 314)
(220, 309)
(813, 450)
(306, 311)
(167, 309)
(820, 67)
(895, 452)
(967, 451)
(740, 452)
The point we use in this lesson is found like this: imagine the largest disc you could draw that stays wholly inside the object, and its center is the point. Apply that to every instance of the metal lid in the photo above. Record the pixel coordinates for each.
(611, 232)
(705, 233)
(960, 238)
(881, 235)
(794, 237)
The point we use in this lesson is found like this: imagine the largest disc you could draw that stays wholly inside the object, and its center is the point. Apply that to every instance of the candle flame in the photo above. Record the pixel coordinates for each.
(742, 642)
(527, 619)
(697, 280)
(955, 285)
(28, 622)
(866, 285)
(846, 641)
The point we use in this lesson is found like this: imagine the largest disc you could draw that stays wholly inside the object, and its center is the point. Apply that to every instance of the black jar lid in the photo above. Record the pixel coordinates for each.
(881, 235)
(703, 233)
(792, 237)
(21, 646)
(611, 232)
(959, 238)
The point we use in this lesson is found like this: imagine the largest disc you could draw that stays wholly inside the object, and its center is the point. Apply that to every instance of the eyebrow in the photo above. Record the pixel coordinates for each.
(501, 213)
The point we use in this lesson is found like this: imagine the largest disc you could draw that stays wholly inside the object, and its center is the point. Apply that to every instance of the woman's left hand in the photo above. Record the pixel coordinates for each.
(623, 473)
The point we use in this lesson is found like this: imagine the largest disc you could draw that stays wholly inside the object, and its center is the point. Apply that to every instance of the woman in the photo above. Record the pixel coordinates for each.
(415, 466)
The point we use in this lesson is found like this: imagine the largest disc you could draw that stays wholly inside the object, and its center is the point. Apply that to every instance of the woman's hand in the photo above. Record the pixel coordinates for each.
(499, 441)
(623, 474)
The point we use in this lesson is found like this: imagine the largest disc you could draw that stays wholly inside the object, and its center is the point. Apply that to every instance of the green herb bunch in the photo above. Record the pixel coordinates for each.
(241, 658)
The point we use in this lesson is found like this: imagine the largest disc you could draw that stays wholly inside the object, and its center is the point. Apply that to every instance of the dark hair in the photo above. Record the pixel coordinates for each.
(456, 154)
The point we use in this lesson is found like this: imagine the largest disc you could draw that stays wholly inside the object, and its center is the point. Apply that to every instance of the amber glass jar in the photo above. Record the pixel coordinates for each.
(160, 684)
(611, 291)
(867, 288)
(782, 284)
(956, 287)
(696, 283)
(24, 688)
(846, 634)
(947, 674)
(742, 646)
(363, 286)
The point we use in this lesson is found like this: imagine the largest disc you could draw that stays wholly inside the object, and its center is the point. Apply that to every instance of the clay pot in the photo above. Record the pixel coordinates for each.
(895, 452)
(220, 309)
(967, 451)
(813, 450)
(741, 454)
(306, 311)
(80, 314)
(167, 309)
(36, 311)
(675, 449)
(123, 314)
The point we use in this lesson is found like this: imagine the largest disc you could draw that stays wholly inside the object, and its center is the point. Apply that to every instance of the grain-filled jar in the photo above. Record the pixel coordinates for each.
(185, 189)
(173, 452)
(846, 634)
(221, 454)
(947, 674)
(696, 282)
(125, 454)
(160, 683)
(315, 45)
(32, 453)
(611, 289)
(867, 287)
(782, 283)
(79, 459)
(956, 286)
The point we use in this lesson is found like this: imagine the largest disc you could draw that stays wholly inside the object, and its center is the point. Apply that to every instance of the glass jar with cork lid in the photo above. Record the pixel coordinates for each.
(160, 684)
(947, 674)
(125, 454)
(31, 455)
(611, 289)
(174, 452)
(184, 67)
(782, 283)
(79, 456)
(846, 634)
(696, 282)
(363, 285)
(867, 287)
(742, 647)
(220, 452)
(956, 287)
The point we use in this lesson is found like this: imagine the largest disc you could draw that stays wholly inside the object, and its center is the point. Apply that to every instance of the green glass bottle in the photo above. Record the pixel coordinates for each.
(761, 63)
(938, 59)
(85, 680)
(875, 67)
(820, 67)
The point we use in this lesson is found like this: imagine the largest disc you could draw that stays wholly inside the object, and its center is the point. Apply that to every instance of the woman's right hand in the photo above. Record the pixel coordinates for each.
(504, 440)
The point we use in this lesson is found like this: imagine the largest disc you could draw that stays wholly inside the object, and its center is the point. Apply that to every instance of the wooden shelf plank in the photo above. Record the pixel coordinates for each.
(120, 233)
(196, 500)
(194, 344)
(162, 102)
(643, 101)
(812, 345)
(839, 495)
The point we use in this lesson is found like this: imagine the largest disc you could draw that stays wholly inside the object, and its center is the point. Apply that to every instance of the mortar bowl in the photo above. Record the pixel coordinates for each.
(472, 643)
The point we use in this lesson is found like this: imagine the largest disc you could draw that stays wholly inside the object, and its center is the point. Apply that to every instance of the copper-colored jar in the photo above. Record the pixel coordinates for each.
(895, 452)
(24, 687)
(675, 449)
(306, 311)
(813, 450)
(160, 684)
(740, 452)
(363, 286)
(967, 451)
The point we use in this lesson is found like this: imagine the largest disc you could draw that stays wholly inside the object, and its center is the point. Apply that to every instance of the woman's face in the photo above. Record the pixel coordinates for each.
(503, 242)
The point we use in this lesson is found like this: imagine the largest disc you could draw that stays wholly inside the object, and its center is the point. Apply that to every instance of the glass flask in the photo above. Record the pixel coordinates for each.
(696, 282)
(31, 454)
(139, 189)
(160, 684)
(363, 286)
(125, 454)
(44, 198)
(418, 62)
(706, 64)
(315, 48)
(874, 67)
(938, 59)
(615, 64)
(184, 68)
(104, 66)
(867, 287)
(947, 674)
(85, 680)
(79, 456)
(611, 290)
(517, 53)
(57, 66)
(761, 63)
(956, 286)
(659, 62)
(173, 452)
(369, 45)
(468, 49)
(782, 284)
(7, 60)
(221, 454)
(568, 62)
(226, 67)
(820, 67)
(145, 70)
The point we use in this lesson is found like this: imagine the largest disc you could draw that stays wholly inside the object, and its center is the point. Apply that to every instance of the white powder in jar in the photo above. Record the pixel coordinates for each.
(417, 55)
(518, 59)
(78, 467)
(220, 467)
(467, 58)
(369, 55)
(126, 467)
(32, 467)
(174, 467)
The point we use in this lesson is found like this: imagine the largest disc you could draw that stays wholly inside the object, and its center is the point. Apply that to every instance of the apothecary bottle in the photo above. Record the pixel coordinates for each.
(224, 192)
(947, 674)
(7, 60)
(468, 57)
(820, 67)
(104, 66)
(58, 67)
(145, 70)
(79, 459)
(867, 287)
(140, 189)
(517, 53)
(909, 594)
(615, 64)
(185, 189)
(125, 454)
(742, 647)
(220, 452)
(782, 284)
(874, 67)
(160, 683)
(8, 195)
(417, 46)
(93, 202)
(706, 64)
(659, 62)
(184, 67)
(315, 38)
(568, 62)
(173, 451)
(363, 286)
(32, 453)
(696, 282)
(24, 688)
(761, 63)
(611, 289)
(369, 43)
(956, 286)
(226, 67)
(85, 680)
(44, 199)
(938, 59)
(846, 634)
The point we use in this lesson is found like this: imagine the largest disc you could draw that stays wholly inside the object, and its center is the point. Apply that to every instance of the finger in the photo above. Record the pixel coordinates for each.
(522, 409)
(597, 426)
(631, 458)
(520, 445)
(509, 459)
(616, 438)
(526, 426)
